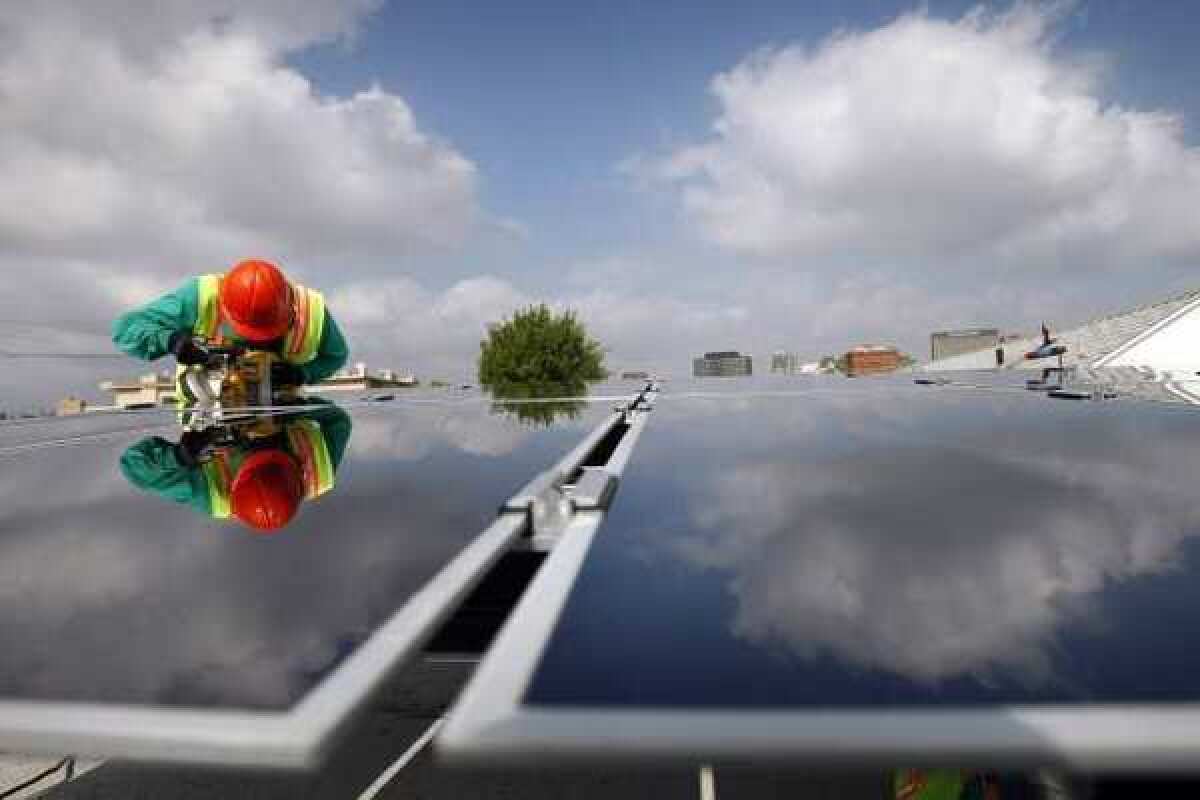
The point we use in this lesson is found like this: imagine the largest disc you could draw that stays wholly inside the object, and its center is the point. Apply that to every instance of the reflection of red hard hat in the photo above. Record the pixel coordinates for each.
(256, 299)
(267, 490)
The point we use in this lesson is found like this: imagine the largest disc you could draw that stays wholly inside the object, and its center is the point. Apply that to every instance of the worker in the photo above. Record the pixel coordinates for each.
(261, 481)
(252, 305)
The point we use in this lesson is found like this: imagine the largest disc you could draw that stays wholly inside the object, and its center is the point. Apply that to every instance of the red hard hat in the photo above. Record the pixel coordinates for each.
(267, 490)
(257, 301)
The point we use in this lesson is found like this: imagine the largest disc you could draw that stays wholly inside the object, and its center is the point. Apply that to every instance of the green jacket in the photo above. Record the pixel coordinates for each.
(145, 332)
(153, 465)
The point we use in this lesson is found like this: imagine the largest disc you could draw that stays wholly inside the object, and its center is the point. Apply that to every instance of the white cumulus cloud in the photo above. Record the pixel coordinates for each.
(142, 144)
(972, 144)
(174, 142)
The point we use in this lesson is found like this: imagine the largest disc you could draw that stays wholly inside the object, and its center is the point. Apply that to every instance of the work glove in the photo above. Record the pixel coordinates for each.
(194, 445)
(285, 374)
(187, 351)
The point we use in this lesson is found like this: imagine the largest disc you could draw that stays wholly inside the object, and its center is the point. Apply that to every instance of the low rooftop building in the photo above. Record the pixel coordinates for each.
(146, 391)
(70, 406)
(785, 362)
(358, 379)
(722, 363)
(871, 359)
(944, 344)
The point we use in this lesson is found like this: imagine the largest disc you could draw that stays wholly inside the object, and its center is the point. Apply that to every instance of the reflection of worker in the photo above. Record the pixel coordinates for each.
(260, 480)
(946, 784)
(252, 305)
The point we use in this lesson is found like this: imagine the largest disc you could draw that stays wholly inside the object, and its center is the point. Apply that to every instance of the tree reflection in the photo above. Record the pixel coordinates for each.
(540, 405)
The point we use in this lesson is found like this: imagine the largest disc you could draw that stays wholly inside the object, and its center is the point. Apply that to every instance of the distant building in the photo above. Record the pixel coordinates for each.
(70, 406)
(787, 363)
(870, 359)
(723, 363)
(635, 375)
(149, 390)
(945, 344)
(358, 378)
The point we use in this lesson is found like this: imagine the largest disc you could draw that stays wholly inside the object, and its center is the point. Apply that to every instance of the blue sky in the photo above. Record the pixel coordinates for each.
(687, 177)
(549, 98)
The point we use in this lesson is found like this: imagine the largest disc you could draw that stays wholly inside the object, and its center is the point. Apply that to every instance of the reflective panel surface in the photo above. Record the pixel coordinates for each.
(120, 582)
(874, 543)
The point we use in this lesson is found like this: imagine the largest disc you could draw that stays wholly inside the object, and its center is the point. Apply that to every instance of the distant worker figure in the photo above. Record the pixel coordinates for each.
(258, 472)
(1048, 348)
(253, 305)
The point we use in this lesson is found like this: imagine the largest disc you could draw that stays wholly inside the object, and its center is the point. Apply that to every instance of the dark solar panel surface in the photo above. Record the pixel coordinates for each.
(872, 543)
(109, 593)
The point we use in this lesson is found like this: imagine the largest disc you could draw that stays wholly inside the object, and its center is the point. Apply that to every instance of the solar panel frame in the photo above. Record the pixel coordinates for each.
(490, 723)
(299, 737)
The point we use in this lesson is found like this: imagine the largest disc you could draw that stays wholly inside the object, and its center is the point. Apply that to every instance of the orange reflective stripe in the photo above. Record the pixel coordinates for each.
(299, 322)
(303, 339)
(303, 450)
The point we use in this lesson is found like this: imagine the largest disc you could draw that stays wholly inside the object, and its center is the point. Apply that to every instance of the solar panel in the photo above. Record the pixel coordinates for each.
(868, 571)
(137, 623)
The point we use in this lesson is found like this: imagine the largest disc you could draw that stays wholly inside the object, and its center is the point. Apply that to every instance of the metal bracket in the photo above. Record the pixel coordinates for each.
(594, 490)
(551, 502)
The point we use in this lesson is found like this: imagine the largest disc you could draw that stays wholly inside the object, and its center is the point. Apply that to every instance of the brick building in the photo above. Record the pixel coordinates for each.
(870, 359)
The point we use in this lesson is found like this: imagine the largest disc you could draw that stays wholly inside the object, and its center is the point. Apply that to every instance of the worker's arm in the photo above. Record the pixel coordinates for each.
(153, 465)
(336, 427)
(146, 332)
(331, 353)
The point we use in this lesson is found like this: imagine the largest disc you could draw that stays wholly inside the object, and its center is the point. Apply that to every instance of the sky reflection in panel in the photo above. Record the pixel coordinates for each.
(111, 594)
(894, 545)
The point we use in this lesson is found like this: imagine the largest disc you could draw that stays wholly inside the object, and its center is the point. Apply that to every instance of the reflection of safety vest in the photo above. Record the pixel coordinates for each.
(308, 447)
(302, 339)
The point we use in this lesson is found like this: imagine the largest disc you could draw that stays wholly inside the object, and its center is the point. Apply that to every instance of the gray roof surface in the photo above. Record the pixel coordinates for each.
(1086, 343)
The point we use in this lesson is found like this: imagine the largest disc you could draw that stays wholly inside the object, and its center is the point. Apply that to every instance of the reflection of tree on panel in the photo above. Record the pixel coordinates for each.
(540, 407)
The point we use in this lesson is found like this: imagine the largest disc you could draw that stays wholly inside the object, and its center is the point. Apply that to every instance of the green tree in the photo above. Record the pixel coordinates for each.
(538, 353)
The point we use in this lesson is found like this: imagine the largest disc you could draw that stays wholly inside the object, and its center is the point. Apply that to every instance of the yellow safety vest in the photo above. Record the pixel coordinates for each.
(303, 338)
(308, 447)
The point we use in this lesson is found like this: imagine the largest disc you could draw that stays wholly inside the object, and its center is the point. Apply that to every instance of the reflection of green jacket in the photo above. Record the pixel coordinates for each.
(145, 332)
(153, 464)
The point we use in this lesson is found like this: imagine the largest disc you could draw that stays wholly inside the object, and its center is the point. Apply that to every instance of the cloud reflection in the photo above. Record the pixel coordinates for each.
(938, 561)
(108, 594)
(412, 436)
